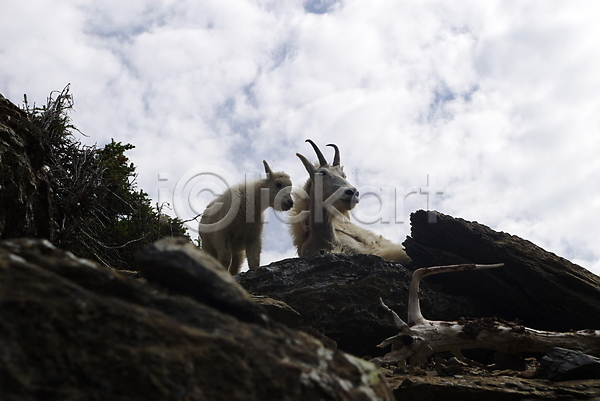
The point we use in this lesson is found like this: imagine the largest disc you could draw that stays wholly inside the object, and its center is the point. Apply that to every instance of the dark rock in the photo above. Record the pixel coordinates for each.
(25, 194)
(175, 263)
(327, 342)
(74, 330)
(563, 364)
(541, 289)
(279, 311)
(339, 296)
(466, 387)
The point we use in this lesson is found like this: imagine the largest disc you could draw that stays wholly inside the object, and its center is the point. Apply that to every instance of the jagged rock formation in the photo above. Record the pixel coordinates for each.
(339, 296)
(81, 198)
(564, 364)
(25, 194)
(539, 288)
(176, 263)
(500, 386)
(74, 330)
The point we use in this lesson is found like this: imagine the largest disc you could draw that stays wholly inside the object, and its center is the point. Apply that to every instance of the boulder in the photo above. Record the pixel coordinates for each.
(537, 287)
(25, 191)
(564, 364)
(502, 386)
(339, 296)
(177, 264)
(74, 330)
(279, 311)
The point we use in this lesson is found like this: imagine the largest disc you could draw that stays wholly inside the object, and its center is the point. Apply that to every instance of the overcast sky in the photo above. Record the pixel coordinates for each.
(497, 104)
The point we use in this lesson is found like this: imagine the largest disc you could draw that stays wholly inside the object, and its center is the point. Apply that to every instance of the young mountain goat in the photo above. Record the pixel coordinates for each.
(232, 224)
(320, 219)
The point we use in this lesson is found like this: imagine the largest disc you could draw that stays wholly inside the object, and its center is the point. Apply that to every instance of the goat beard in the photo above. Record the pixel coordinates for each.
(342, 207)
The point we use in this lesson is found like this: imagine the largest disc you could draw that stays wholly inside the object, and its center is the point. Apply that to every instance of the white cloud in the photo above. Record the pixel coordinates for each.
(498, 99)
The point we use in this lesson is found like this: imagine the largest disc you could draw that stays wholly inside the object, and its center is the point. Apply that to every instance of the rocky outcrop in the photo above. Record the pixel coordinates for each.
(74, 330)
(498, 386)
(339, 296)
(564, 364)
(539, 288)
(25, 194)
(177, 264)
(184, 329)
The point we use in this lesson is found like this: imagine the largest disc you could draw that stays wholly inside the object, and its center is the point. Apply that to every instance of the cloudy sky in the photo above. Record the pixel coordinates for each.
(496, 104)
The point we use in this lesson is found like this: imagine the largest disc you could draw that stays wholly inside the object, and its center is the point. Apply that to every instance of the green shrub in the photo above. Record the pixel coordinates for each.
(98, 212)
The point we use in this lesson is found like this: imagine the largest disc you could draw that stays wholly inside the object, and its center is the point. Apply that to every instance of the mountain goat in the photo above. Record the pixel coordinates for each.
(320, 218)
(232, 224)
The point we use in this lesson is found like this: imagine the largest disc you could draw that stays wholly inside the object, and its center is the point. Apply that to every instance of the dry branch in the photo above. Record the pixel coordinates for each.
(421, 338)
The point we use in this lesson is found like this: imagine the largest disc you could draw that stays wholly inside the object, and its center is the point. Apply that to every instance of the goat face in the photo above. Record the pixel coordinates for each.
(330, 181)
(279, 185)
(330, 186)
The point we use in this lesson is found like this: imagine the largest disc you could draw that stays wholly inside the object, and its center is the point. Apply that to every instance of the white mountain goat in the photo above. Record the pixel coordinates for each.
(231, 225)
(320, 217)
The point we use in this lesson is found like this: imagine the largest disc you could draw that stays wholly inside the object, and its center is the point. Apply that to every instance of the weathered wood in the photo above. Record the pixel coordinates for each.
(543, 290)
(421, 338)
(339, 296)
(414, 307)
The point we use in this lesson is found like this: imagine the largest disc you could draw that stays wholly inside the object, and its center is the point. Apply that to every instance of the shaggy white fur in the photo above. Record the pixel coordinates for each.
(231, 226)
(320, 216)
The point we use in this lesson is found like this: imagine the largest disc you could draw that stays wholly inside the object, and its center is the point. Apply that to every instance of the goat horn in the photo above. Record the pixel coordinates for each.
(336, 158)
(322, 160)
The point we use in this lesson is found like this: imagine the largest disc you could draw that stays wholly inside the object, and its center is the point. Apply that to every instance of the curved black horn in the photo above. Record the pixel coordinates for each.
(336, 158)
(322, 160)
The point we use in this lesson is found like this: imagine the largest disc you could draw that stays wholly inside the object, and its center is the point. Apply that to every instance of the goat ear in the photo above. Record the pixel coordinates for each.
(307, 165)
(268, 169)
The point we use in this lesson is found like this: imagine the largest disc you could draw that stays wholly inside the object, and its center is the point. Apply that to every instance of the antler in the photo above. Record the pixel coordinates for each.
(336, 158)
(322, 160)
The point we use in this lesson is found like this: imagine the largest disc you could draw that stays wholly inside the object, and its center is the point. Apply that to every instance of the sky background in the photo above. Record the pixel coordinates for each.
(496, 103)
